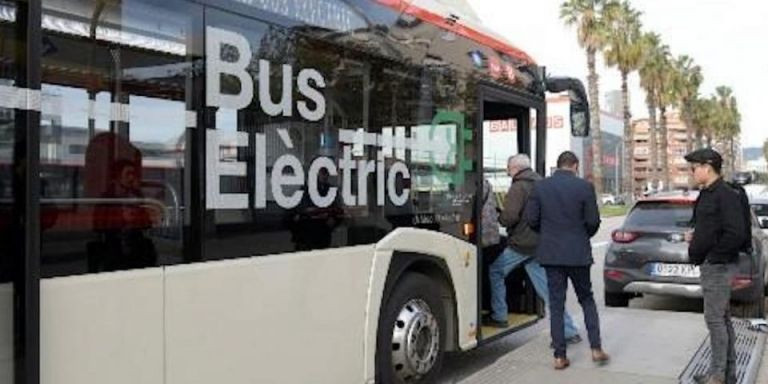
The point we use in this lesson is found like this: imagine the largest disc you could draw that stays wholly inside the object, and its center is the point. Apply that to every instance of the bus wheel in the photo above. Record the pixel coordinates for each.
(411, 333)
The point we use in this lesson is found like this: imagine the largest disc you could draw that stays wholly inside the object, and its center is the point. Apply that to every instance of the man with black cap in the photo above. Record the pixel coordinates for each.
(717, 237)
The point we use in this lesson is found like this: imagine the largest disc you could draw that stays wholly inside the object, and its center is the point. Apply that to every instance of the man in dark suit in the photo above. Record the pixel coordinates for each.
(563, 209)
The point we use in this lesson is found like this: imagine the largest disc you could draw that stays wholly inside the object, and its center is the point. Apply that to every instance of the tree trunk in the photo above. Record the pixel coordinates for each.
(699, 137)
(594, 111)
(664, 147)
(629, 147)
(732, 155)
(765, 150)
(690, 132)
(725, 146)
(653, 143)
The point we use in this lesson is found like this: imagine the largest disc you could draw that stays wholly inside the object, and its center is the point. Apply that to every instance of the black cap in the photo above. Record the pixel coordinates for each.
(705, 156)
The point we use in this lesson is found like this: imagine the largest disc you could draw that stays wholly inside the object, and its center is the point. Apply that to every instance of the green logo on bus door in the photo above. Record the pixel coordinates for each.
(456, 141)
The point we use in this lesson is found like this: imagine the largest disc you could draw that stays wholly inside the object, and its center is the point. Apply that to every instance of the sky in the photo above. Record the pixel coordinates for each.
(726, 38)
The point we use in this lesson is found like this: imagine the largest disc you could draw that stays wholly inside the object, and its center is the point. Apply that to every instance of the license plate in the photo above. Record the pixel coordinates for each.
(675, 270)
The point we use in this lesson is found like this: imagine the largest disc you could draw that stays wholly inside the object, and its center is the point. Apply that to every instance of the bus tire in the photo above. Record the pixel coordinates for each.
(411, 333)
(749, 310)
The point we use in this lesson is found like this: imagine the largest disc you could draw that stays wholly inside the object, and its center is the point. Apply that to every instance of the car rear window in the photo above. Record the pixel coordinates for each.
(660, 214)
(760, 209)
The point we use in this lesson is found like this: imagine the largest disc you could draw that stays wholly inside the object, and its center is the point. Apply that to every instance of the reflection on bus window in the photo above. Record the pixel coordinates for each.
(381, 130)
(9, 230)
(113, 134)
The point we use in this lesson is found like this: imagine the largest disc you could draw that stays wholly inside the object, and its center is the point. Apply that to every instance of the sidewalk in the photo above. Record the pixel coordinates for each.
(762, 376)
(647, 347)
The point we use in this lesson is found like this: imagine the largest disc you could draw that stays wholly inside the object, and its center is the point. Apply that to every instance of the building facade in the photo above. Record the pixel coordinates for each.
(648, 178)
(614, 103)
(504, 133)
(612, 134)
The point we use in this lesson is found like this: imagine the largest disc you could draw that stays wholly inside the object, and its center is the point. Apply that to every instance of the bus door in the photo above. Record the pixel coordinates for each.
(509, 123)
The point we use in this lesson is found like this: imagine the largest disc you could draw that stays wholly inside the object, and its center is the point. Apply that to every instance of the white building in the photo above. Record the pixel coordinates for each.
(499, 134)
(758, 165)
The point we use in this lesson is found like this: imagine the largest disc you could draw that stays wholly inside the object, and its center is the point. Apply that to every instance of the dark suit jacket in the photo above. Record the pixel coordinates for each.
(563, 209)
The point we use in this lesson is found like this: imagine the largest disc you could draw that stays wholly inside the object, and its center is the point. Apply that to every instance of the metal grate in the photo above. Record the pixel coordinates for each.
(749, 352)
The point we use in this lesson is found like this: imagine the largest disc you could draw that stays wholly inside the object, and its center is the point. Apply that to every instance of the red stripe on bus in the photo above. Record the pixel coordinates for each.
(440, 21)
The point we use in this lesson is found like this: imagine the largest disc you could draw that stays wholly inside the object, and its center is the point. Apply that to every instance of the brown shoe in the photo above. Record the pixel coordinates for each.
(600, 357)
(561, 363)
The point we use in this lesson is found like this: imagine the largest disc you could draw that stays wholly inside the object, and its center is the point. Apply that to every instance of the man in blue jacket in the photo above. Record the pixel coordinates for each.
(563, 209)
(521, 245)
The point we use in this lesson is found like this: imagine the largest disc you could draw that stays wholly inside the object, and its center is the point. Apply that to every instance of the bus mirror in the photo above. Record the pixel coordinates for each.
(579, 109)
(579, 104)
(579, 120)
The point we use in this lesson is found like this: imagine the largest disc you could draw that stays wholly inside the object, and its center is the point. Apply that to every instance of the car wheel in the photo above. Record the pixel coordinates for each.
(754, 309)
(616, 300)
(411, 334)
(765, 282)
(750, 310)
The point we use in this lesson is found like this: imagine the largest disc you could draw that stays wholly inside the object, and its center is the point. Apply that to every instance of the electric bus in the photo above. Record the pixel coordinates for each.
(255, 191)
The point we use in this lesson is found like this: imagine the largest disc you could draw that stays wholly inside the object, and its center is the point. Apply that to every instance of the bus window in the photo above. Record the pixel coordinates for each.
(113, 134)
(10, 256)
(414, 104)
(365, 146)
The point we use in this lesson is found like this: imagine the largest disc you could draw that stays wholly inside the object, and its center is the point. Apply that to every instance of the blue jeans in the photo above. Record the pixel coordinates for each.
(498, 271)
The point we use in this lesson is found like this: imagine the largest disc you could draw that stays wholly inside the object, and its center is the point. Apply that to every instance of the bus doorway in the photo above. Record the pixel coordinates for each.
(509, 123)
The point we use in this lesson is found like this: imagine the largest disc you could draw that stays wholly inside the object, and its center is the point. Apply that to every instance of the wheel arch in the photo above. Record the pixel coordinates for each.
(450, 262)
(436, 270)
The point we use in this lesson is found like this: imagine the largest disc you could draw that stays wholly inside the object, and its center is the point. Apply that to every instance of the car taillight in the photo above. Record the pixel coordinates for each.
(623, 237)
(614, 274)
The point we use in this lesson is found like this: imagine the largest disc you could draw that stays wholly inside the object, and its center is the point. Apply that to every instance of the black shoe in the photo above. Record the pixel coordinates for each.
(575, 339)
(491, 322)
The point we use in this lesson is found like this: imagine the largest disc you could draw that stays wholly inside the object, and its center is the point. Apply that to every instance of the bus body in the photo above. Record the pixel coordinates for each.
(253, 191)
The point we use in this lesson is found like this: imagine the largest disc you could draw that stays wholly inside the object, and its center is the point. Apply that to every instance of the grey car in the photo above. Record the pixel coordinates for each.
(649, 255)
(760, 206)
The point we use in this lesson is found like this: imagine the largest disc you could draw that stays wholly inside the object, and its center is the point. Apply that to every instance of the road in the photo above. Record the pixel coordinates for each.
(459, 366)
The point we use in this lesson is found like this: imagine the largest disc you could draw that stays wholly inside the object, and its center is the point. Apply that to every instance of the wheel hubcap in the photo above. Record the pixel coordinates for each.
(415, 341)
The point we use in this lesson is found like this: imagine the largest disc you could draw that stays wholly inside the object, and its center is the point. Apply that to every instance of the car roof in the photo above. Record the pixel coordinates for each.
(758, 200)
(757, 193)
(672, 197)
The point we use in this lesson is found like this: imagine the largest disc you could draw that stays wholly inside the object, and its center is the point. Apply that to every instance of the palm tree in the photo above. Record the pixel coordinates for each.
(624, 50)
(651, 79)
(703, 120)
(727, 124)
(592, 33)
(687, 89)
(666, 98)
